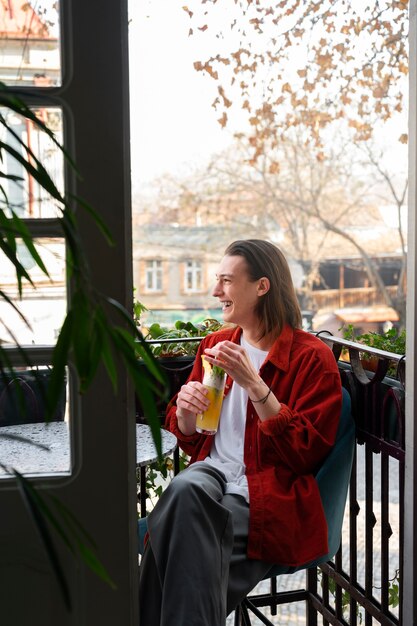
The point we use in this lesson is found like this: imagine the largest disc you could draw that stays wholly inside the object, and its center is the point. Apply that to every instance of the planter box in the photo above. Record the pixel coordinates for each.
(378, 406)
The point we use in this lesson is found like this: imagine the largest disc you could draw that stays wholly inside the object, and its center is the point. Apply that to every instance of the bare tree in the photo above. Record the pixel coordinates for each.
(308, 204)
(391, 191)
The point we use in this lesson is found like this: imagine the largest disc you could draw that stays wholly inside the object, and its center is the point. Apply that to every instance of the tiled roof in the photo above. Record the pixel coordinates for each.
(206, 239)
(169, 238)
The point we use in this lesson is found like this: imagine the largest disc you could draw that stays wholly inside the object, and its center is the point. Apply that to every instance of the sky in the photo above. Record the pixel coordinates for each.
(173, 126)
(172, 122)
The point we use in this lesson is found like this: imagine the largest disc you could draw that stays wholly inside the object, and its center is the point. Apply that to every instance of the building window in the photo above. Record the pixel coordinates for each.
(153, 277)
(193, 276)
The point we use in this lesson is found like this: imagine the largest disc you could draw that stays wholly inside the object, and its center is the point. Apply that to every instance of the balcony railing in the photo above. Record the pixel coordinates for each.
(362, 585)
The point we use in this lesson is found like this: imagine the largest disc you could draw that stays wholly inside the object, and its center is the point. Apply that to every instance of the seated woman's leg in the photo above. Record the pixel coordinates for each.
(244, 573)
(185, 567)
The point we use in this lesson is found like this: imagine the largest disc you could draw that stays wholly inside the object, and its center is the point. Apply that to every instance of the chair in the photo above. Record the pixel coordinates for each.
(333, 480)
(23, 396)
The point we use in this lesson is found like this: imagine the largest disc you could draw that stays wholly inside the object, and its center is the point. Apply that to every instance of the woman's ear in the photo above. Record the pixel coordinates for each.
(263, 286)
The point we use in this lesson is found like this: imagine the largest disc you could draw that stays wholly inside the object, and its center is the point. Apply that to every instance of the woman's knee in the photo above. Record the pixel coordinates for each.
(196, 479)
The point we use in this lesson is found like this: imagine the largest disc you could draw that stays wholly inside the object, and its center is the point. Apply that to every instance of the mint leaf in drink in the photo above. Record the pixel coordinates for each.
(217, 371)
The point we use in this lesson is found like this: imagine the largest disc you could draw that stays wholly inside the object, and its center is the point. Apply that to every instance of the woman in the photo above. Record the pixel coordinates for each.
(249, 497)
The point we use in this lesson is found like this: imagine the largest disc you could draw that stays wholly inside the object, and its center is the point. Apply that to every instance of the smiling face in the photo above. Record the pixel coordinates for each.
(237, 293)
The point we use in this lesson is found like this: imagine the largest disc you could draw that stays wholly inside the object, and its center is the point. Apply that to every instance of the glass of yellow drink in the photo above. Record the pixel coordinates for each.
(214, 380)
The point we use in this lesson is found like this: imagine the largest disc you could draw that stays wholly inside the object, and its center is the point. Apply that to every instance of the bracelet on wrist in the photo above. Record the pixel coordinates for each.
(261, 400)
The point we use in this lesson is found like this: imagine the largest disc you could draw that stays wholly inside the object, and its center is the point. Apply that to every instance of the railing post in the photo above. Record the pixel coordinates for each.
(311, 580)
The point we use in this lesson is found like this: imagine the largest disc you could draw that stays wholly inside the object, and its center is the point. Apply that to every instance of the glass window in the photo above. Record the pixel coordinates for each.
(24, 195)
(43, 304)
(193, 277)
(33, 318)
(153, 279)
(29, 43)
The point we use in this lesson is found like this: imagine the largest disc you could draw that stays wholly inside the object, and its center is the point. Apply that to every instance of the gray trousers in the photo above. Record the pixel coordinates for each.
(194, 570)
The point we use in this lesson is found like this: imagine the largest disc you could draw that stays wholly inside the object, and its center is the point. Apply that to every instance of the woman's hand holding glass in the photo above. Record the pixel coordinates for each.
(191, 400)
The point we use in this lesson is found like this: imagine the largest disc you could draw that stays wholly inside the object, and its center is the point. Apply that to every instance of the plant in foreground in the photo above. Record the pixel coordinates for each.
(96, 329)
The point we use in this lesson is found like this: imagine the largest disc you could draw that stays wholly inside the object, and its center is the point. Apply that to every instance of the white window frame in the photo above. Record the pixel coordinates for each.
(193, 276)
(153, 276)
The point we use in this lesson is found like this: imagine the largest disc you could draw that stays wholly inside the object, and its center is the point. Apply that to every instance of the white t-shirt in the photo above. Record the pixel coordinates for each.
(227, 451)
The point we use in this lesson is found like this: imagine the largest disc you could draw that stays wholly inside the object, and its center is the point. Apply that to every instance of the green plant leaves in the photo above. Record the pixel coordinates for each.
(11, 101)
(96, 329)
(181, 330)
(392, 340)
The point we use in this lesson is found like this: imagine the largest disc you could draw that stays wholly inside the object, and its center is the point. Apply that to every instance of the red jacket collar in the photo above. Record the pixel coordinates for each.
(279, 354)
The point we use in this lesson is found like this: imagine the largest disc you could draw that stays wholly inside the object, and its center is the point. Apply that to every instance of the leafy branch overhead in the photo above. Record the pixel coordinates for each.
(304, 64)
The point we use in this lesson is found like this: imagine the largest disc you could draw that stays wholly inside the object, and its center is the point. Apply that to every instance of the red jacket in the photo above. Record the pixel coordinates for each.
(287, 523)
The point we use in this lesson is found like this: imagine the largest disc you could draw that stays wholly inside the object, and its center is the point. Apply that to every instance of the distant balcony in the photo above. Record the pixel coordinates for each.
(340, 298)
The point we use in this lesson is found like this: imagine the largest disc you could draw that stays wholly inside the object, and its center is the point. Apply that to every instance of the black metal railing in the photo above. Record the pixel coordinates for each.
(362, 585)
(370, 575)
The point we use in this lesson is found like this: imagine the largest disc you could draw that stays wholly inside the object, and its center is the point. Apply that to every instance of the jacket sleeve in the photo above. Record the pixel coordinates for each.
(303, 432)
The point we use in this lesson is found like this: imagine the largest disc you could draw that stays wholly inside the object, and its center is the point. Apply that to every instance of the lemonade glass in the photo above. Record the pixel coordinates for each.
(214, 380)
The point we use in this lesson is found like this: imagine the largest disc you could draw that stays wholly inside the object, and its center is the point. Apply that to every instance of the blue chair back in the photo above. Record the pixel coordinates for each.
(333, 481)
(142, 530)
(334, 476)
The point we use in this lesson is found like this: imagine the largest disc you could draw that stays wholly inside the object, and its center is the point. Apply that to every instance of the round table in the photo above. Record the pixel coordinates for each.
(145, 447)
(48, 449)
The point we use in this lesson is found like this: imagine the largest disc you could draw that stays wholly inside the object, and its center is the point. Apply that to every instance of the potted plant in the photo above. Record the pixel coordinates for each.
(392, 340)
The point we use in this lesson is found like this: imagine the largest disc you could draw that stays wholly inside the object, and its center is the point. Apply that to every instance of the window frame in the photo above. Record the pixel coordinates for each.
(193, 272)
(155, 272)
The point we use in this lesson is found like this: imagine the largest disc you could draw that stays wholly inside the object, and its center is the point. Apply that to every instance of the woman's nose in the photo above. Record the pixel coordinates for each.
(216, 290)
